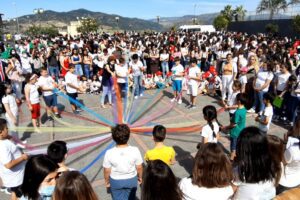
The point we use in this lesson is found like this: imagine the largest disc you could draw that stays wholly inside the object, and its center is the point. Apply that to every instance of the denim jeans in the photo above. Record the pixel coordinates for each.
(165, 68)
(87, 71)
(292, 107)
(78, 70)
(138, 85)
(258, 101)
(107, 90)
(124, 189)
(54, 72)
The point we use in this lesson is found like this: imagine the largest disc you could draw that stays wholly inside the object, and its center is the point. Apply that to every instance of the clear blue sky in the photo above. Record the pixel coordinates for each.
(145, 9)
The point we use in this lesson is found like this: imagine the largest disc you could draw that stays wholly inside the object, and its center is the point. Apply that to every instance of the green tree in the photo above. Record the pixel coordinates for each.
(41, 30)
(88, 25)
(241, 12)
(274, 6)
(296, 23)
(272, 28)
(220, 22)
(227, 12)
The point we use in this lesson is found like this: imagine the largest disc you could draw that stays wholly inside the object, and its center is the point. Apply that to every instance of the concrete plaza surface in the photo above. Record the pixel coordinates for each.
(178, 116)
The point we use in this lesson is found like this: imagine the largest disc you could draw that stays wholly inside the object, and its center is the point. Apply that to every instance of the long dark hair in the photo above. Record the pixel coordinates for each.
(210, 114)
(159, 182)
(254, 162)
(74, 185)
(36, 170)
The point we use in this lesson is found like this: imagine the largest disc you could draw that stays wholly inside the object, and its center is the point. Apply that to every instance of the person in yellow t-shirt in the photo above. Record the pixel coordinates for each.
(160, 151)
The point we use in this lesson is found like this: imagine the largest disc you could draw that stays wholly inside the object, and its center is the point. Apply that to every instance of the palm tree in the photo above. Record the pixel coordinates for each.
(240, 12)
(272, 5)
(227, 12)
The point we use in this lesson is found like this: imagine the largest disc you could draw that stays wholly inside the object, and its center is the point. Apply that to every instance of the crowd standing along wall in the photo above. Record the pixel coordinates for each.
(285, 27)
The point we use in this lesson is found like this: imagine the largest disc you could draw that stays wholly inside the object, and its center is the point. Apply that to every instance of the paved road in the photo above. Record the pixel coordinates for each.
(150, 109)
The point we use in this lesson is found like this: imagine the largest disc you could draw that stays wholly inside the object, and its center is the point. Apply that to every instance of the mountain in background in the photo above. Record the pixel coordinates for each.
(61, 19)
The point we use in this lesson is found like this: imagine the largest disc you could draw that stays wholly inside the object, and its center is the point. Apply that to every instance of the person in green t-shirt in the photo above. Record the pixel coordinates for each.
(238, 123)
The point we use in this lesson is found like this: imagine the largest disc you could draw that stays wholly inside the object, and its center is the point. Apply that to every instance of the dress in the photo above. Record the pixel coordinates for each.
(66, 65)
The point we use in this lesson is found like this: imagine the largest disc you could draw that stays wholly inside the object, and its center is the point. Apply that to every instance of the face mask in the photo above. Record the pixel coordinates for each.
(47, 191)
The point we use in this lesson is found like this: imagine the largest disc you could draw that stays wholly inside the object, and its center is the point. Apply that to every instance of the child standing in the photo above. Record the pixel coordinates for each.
(194, 77)
(160, 151)
(12, 163)
(238, 123)
(33, 100)
(178, 73)
(231, 104)
(11, 110)
(243, 78)
(210, 132)
(265, 119)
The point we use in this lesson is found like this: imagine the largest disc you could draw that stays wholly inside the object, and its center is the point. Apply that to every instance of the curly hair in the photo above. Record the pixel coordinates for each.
(120, 134)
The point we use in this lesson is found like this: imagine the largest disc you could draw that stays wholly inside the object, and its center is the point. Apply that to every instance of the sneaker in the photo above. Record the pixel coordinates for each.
(2, 189)
(141, 95)
(79, 110)
(58, 115)
(192, 107)
(180, 101)
(75, 112)
(174, 99)
(251, 111)
(7, 191)
(136, 97)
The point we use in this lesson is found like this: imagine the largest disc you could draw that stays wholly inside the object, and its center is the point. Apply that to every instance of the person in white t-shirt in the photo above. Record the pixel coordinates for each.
(255, 180)
(47, 85)
(194, 77)
(177, 76)
(12, 163)
(243, 78)
(122, 77)
(11, 109)
(33, 100)
(231, 105)
(291, 172)
(265, 119)
(211, 176)
(164, 59)
(122, 165)
(210, 132)
(261, 85)
(137, 68)
(72, 87)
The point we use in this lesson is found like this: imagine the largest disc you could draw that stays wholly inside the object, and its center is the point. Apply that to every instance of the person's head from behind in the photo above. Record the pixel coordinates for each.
(212, 167)
(236, 86)
(3, 129)
(159, 133)
(135, 58)
(120, 134)
(242, 99)
(177, 61)
(159, 182)
(122, 61)
(268, 98)
(210, 114)
(193, 62)
(72, 68)
(253, 159)
(276, 150)
(73, 185)
(39, 177)
(57, 151)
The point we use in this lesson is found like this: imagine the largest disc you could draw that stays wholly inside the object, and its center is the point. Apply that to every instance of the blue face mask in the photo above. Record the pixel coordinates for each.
(46, 192)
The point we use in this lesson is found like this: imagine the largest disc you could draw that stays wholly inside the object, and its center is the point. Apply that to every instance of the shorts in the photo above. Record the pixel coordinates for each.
(177, 85)
(51, 100)
(193, 90)
(72, 96)
(17, 190)
(36, 111)
(233, 143)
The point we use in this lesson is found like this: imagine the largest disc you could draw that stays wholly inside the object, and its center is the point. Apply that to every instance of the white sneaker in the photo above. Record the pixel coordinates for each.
(136, 97)
(180, 101)
(141, 95)
(174, 99)
(251, 111)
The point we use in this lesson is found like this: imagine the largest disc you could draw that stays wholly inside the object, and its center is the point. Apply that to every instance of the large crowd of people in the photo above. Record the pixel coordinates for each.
(246, 73)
